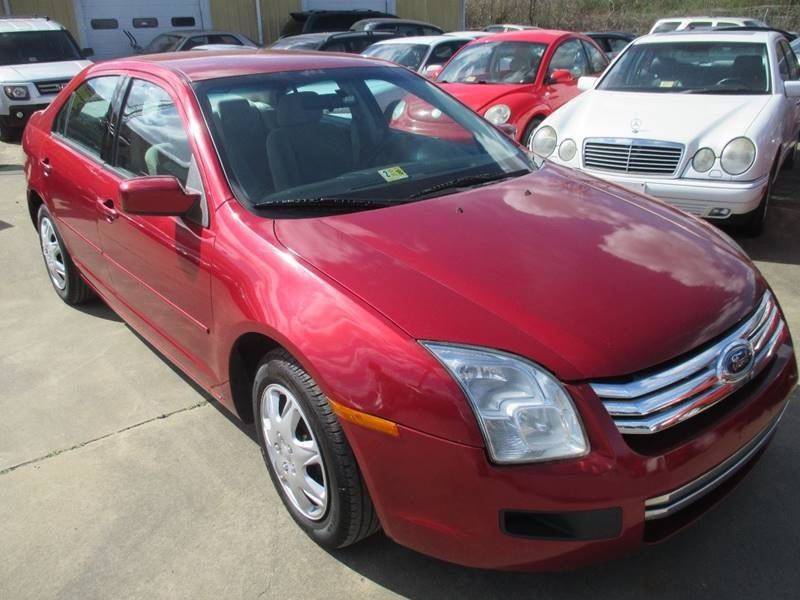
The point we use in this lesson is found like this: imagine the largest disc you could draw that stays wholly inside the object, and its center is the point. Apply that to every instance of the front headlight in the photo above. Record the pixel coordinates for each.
(738, 156)
(498, 114)
(16, 92)
(567, 150)
(703, 160)
(524, 412)
(544, 141)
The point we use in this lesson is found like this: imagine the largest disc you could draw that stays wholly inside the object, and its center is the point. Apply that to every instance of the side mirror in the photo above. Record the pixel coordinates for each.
(508, 129)
(561, 76)
(87, 52)
(432, 71)
(791, 89)
(155, 196)
(586, 83)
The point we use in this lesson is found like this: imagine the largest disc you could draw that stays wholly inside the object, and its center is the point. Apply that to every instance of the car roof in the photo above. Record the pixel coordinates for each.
(428, 40)
(707, 18)
(710, 35)
(544, 36)
(12, 24)
(214, 64)
(392, 20)
(191, 32)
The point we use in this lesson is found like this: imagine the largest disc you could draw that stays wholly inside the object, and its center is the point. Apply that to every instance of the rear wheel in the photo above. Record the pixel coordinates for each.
(66, 280)
(307, 455)
(789, 162)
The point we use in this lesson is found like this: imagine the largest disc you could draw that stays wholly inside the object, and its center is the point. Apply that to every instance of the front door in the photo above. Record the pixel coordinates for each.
(160, 265)
(569, 56)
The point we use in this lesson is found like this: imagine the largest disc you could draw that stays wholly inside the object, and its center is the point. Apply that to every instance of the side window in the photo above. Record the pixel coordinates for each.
(597, 60)
(359, 43)
(224, 39)
(442, 53)
(569, 56)
(699, 25)
(334, 46)
(431, 31)
(783, 63)
(84, 119)
(152, 139)
(792, 67)
(617, 44)
(198, 40)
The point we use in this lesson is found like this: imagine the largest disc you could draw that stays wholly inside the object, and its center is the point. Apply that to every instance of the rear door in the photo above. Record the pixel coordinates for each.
(160, 265)
(789, 70)
(74, 162)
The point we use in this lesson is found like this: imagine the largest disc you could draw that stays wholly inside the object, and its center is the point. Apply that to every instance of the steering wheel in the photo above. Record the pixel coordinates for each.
(732, 81)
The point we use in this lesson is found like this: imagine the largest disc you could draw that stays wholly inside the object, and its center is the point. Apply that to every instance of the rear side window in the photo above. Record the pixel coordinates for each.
(787, 62)
(152, 139)
(85, 117)
(223, 39)
(666, 26)
(617, 44)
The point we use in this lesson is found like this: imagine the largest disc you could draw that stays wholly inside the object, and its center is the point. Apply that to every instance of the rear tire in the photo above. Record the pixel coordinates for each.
(788, 164)
(293, 421)
(63, 274)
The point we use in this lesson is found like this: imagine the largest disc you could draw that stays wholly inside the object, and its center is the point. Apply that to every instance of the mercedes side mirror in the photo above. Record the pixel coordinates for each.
(586, 83)
(156, 196)
(791, 89)
(432, 71)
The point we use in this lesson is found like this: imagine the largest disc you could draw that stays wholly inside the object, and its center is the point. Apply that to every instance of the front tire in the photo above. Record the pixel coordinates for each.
(307, 455)
(9, 135)
(64, 275)
(753, 225)
(527, 136)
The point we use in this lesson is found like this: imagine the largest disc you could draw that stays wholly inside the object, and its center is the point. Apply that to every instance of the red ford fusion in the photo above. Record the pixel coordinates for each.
(517, 79)
(500, 362)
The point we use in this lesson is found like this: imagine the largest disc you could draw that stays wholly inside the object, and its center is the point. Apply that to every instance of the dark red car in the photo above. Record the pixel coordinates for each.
(501, 363)
(519, 78)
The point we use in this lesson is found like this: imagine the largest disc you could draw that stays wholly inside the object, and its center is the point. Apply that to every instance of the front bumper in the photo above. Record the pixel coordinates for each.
(18, 115)
(446, 500)
(705, 198)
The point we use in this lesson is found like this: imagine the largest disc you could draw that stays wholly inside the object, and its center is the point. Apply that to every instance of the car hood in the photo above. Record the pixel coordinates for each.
(480, 95)
(691, 119)
(39, 71)
(584, 278)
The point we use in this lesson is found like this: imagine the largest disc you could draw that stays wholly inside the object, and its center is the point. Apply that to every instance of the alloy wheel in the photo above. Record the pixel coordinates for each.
(53, 255)
(293, 452)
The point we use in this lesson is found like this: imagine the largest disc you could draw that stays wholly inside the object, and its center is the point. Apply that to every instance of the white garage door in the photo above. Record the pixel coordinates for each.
(104, 22)
(381, 5)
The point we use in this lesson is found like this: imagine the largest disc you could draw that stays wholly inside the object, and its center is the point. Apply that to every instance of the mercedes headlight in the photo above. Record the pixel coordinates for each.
(498, 114)
(16, 92)
(544, 141)
(525, 414)
(703, 160)
(567, 150)
(738, 156)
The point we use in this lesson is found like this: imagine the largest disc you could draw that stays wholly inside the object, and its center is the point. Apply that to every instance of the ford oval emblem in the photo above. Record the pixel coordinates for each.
(736, 361)
(636, 125)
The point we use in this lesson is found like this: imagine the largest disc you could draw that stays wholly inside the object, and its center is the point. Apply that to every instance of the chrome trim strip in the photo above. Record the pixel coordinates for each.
(670, 503)
(665, 398)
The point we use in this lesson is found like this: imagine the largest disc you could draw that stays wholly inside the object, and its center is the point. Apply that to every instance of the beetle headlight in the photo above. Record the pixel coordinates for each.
(498, 114)
(544, 141)
(703, 160)
(567, 150)
(738, 156)
(525, 414)
(16, 92)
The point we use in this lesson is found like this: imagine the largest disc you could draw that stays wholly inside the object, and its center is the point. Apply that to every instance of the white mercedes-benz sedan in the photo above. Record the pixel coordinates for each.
(701, 120)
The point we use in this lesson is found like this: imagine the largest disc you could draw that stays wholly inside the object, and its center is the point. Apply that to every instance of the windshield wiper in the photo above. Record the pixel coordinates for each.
(323, 202)
(465, 182)
(717, 90)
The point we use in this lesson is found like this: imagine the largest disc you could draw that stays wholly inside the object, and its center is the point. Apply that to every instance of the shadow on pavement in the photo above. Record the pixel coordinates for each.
(98, 308)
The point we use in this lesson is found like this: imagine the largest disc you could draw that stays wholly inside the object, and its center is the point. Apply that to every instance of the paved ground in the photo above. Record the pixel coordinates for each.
(119, 479)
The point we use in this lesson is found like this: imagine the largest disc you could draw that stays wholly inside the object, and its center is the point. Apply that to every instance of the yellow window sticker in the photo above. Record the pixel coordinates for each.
(393, 174)
(667, 84)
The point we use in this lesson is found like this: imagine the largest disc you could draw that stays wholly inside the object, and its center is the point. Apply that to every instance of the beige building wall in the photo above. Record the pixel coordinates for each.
(444, 13)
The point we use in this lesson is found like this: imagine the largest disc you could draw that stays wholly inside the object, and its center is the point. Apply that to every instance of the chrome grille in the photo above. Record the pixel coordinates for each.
(51, 87)
(667, 397)
(637, 157)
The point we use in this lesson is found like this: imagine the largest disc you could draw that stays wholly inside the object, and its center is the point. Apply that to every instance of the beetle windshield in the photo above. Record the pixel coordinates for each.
(24, 47)
(376, 134)
(691, 68)
(494, 62)
(406, 55)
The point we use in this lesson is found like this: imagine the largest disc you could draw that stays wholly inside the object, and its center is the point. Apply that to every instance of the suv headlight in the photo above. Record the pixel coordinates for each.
(738, 156)
(498, 114)
(525, 414)
(544, 141)
(17, 92)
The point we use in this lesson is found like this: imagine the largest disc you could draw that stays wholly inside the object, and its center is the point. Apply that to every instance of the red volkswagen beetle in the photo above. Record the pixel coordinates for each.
(502, 364)
(519, 78)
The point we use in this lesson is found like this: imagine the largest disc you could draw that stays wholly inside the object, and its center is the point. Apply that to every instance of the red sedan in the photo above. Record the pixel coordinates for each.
(518, 78)
(502, 364)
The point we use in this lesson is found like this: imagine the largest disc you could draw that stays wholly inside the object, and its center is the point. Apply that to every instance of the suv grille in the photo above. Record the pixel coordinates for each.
(51, 87)
(639, 157)
(667, 397)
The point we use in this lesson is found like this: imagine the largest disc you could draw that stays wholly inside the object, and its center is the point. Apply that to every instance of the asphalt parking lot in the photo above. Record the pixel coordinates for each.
(118, 477)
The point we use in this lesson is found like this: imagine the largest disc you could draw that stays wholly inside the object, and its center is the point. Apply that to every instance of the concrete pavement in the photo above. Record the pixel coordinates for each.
(119, 479)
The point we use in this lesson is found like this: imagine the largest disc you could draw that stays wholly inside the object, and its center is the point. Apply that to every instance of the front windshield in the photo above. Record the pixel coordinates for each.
(23, 47)
(691, 68)
(494, 62)
(377, 134)
(406, 55)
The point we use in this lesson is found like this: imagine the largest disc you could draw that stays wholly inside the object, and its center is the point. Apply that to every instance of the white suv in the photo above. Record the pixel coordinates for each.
(38, 57)
(684, 23)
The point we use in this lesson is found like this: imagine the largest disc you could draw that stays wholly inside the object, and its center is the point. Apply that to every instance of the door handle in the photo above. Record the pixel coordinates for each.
(47, 168)
(106, 208)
